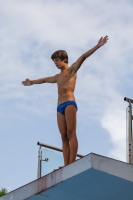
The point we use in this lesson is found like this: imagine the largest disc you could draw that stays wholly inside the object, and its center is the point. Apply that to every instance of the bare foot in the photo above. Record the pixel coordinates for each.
(55, 170)
(58, 168)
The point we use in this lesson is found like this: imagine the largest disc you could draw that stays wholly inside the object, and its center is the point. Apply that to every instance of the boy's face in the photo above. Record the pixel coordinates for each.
(59, 63)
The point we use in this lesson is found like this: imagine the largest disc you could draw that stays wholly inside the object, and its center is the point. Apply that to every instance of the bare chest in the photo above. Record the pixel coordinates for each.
(65, 78)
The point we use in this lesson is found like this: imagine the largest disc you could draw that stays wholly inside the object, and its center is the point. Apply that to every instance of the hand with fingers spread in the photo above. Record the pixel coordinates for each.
(27, 82)
(102, 41)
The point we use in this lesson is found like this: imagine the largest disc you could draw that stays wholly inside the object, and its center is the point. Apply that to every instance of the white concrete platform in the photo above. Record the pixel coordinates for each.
(93, 177)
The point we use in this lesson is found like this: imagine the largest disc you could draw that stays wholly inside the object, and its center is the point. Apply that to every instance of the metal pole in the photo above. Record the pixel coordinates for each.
(127, 99)
(129, 129)
(130, 135)
(128, 153)
(55, 148)
(39, 163)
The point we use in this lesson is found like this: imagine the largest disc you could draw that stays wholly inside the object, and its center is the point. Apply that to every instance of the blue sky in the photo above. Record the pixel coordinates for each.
(30, 32)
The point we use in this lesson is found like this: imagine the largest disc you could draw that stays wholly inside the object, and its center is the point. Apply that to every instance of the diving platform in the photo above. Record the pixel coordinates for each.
(92, 177)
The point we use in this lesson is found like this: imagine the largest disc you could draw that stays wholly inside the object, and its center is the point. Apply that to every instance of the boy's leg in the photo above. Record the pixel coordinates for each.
(70, 116)
(65, 140)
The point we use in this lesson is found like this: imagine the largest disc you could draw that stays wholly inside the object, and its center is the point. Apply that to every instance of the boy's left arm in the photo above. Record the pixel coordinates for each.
(75, 66)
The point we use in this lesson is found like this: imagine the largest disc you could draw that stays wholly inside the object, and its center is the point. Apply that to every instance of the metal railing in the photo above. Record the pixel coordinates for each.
(47, 159)
(129, 144)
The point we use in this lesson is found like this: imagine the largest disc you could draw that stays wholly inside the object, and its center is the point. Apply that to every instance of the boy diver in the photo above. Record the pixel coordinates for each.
(67, 107)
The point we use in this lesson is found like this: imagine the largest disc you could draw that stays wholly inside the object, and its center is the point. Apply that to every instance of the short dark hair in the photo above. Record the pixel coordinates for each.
(61, 54)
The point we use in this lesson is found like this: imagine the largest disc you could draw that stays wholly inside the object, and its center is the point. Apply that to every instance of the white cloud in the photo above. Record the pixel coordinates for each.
(114, 122)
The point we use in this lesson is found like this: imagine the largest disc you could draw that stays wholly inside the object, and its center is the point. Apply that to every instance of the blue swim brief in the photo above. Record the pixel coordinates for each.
(61, 108)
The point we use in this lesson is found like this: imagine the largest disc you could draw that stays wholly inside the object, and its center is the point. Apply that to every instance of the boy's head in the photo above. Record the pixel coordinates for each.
(61, 54)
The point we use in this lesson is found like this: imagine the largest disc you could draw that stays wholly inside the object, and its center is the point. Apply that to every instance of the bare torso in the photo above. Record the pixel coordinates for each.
(66, 86)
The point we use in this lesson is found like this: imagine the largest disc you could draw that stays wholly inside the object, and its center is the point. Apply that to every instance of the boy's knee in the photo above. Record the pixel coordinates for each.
(64, 137)
(71, 133)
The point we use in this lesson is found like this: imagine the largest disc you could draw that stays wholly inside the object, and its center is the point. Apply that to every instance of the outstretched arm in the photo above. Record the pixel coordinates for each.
(75, 66)
(51, 79)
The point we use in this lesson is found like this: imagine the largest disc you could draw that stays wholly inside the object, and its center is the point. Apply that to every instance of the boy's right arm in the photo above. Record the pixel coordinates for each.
(51, 79)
